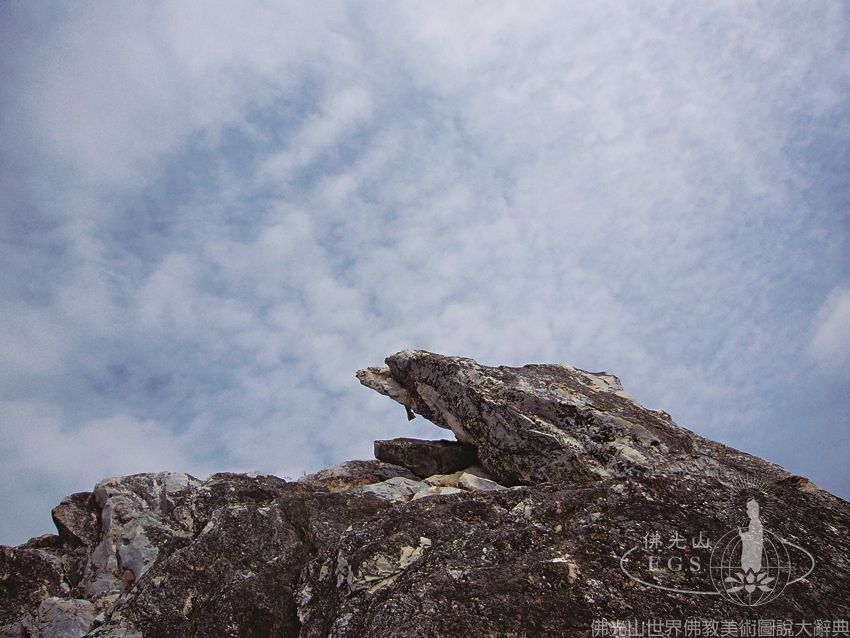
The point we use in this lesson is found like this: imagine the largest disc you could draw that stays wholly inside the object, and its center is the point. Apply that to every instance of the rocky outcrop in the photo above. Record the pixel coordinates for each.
(577, 508)
(553, 423)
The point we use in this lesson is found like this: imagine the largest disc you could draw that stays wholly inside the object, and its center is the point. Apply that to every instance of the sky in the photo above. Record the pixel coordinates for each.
(212, 214)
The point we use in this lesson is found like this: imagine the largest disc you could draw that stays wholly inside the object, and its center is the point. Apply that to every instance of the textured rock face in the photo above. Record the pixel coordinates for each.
(554, 423)
(587, 507)
(29, 575)
(77, 518)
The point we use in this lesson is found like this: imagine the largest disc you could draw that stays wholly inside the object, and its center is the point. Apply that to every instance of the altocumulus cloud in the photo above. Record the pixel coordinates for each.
(213, 214)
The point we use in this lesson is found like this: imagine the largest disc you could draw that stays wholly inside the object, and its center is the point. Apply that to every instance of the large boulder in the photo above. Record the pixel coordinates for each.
(553, 423)
(77, 518)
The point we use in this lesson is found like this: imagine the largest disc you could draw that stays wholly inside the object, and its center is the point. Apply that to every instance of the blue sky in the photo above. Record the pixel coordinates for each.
(212, 215)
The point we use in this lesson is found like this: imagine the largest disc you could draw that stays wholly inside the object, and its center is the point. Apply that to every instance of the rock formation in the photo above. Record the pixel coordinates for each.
(563, 509)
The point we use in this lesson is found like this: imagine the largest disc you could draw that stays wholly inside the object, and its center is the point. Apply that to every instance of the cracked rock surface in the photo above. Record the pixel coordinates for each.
(535, 534)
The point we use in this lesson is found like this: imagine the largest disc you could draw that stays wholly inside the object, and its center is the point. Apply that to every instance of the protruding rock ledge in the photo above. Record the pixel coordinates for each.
(552, 423)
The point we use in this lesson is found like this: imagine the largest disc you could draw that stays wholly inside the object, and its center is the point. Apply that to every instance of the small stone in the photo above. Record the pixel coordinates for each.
(444, 480)
(394, 489)
(471, 481)
(425, 458)
(435, 491)
(351, 474)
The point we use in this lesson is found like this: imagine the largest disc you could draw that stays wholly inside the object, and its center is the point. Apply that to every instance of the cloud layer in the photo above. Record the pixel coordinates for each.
(212, 216)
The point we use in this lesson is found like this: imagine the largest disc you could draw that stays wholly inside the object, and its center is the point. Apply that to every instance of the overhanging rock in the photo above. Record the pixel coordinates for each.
(553, 423)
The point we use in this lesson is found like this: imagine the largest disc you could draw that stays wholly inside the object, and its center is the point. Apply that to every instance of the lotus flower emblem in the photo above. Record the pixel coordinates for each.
(749, 581)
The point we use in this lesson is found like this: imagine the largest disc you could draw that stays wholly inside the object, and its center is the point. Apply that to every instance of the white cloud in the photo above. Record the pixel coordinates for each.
(168, 296)
(45, 458)
(30, 341)
(830, 344)
(342, 113)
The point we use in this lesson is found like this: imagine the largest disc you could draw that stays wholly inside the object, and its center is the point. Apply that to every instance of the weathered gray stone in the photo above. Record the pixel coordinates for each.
(238, 576)
(63, 618)
(425, 458)
(366, 549)
(139, 515)
(470, 481)
(351, 474)
(114, 630)
(444, 480)
(543, 423)
(435, 490)
(394, 489)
